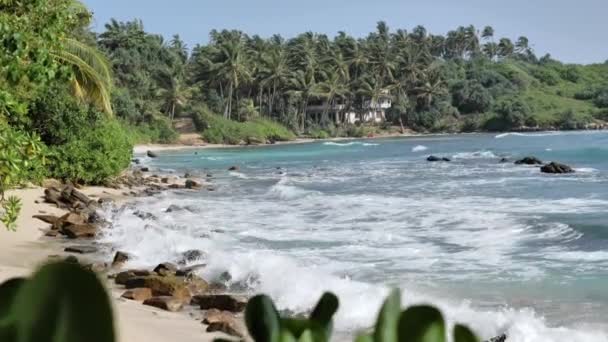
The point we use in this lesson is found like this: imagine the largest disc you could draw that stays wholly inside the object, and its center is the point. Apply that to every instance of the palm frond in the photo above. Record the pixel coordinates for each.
(92, 76)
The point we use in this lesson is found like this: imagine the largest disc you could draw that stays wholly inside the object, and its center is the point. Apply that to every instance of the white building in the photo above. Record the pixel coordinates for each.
(373, 112)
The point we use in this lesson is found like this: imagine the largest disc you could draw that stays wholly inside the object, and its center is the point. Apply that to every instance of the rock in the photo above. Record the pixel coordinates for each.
(144, 169)
(222, 302)
(187, 175)
(165, 303)
(51, 233)
(437, 159)
(81, 249)
(191, 255)
(217, 288)
(151, 154)
(164, 180)
(176, 186)
(233, 168)
(120, 258)
(123, 277)
(161, 286)
(500, 338)
(187, 271)
(529, 161)
(139, 294)
(144, 215)
(190, 184)
(165, 269)
(76, 231)
(135, 161)
(554, 167)
(504, 160)
(196, 284)
(222, 321)
(50, 219)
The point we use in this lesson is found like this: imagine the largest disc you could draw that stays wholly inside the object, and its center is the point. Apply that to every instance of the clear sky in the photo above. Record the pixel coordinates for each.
(571, 30)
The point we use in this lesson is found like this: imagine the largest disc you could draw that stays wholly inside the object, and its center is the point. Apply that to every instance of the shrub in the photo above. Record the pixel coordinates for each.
(601, 99)
(585, 94)
(58, 117)
(99, 154)
(471, 97)
(570, 73)
(512, 111)
(546, 75)
(569, 120)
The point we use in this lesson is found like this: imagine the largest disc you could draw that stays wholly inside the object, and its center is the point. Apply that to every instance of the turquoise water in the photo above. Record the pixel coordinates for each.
(501, 247)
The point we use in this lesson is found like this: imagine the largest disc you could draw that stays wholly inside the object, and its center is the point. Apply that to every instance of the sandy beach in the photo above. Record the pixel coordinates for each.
(22, 251)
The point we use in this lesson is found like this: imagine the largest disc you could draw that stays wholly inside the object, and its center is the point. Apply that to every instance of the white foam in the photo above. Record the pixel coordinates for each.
(586, 170)
(475, 155)
(419, 148)
(540, 134)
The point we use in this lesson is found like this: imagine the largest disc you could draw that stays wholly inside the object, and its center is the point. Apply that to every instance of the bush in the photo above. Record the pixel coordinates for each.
(512, 111)
(58, 117)
(100, 153)
(546, 75)
(569, 120)
(570, 73)
(601, 99)
(471, 97)
(586, 94)
(158, 130)
(218, 130)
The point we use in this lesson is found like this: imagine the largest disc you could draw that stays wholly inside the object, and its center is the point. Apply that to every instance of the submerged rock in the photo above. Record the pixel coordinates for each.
(437, 159)
(504, 160)
(529, 161)
(233, 168)
(152, 154)
(190, 184)
(554, 167)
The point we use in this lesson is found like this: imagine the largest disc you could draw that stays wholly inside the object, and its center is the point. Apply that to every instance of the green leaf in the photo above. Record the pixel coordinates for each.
(286, 336)
(388, 318)
(262, 319)
(8, 293)
(364, 338)
(421, 324)
(297, 327)
(464, 334)
(325, 310)
(63, 303)
(307, 336)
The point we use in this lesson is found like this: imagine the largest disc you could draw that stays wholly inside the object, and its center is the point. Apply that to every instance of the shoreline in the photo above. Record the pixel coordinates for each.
(24, 251)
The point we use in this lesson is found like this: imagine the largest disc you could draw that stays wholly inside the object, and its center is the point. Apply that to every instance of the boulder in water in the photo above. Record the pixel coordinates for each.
(233, 168)
(529, 161)
(499, 338)
(504, 160)
(554, 167)
(437, 159)
(151, 154)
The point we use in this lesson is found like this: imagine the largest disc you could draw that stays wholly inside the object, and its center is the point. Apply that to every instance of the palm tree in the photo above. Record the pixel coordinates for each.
(91, 79)
(173, 91)
(522, 45)
(274, 72)
(303, 85)
(487, 33)
(431, 86)
(505, 47)
(332, 88)
(373, 90)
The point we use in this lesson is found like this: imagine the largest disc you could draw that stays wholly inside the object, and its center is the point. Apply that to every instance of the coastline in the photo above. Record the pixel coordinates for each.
(23, 251)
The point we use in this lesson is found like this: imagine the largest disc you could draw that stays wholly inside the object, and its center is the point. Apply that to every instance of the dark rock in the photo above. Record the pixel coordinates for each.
(161, 286)
(139, 294)
(222, 321)
(152, 154)
(164, 180)
(437, 159)
(191, 255)
(529, 161)
(222, 302)
(554, 167)
(81, 249)
(165, 269)
(176, 186)
(144, 215)
(190, 184)
(120, 258)
(500, 338)
(136, 161)
(504, 160)
(123, 277)
(187, 175)
(233, 168)
(187, 271)
(165, 303)
(145, 169)
(196, 284)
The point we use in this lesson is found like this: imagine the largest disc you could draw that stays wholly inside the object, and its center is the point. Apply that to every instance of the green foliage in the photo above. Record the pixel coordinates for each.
(101, 152)
(546, 76)
(218, 130)
(415, 324)
(12, 208)
(21, 157)
(46, 307)
(601, 98)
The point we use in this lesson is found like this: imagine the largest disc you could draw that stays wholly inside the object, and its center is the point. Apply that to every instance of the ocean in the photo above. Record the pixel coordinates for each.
(500, 247)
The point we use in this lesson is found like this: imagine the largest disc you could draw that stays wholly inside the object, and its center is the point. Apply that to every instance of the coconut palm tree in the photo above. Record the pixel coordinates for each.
(303, 85)
(333, 88)
(91, 74)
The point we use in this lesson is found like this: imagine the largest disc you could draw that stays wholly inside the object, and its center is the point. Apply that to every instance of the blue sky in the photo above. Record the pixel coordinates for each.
(571, 30)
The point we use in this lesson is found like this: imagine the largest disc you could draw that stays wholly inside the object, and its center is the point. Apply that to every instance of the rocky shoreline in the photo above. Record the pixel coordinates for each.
(169, 287)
